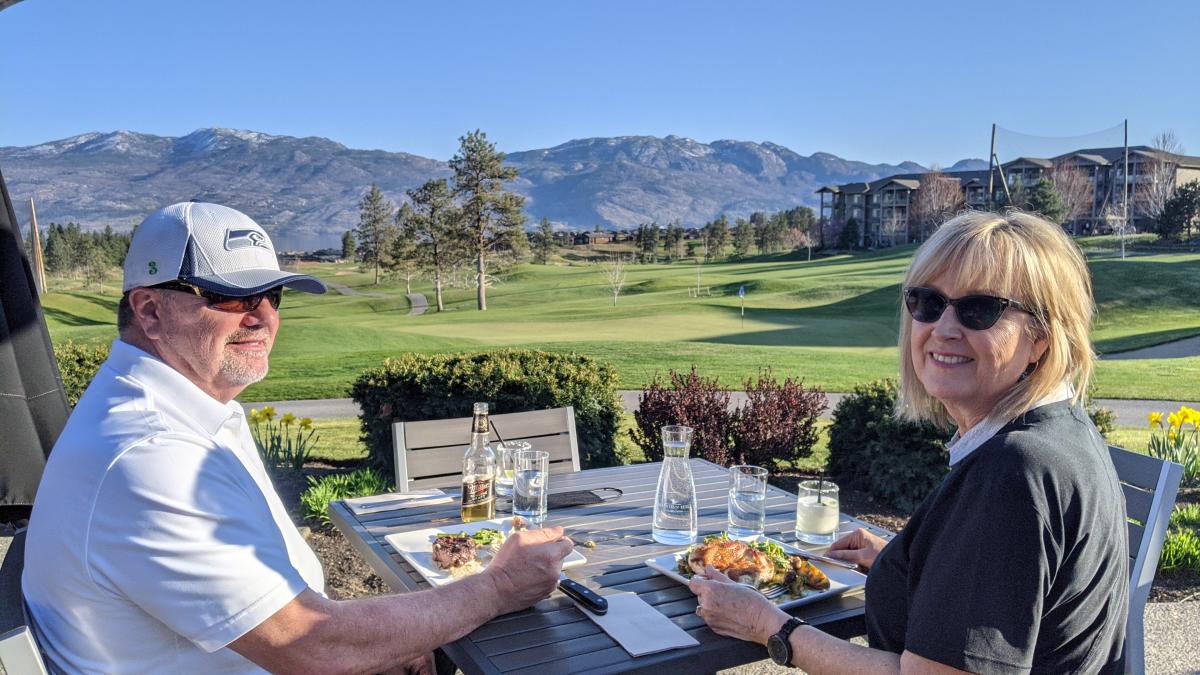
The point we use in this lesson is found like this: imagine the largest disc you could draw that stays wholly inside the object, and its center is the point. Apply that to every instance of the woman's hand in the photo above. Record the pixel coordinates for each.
(734, 609)
(859, 547)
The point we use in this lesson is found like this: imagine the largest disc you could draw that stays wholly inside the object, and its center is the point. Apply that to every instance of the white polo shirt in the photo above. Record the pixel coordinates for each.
(156, 537)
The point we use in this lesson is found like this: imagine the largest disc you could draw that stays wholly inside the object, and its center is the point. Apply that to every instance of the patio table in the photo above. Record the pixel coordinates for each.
(554, 636)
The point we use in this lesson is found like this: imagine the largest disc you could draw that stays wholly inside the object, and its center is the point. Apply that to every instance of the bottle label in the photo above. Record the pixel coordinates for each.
(480, 425)
(476, 491)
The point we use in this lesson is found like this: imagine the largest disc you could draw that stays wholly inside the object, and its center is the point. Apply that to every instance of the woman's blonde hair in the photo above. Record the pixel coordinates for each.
(1023, 257)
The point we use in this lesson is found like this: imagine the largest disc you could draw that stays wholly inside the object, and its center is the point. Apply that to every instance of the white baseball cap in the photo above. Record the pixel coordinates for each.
(210, 246)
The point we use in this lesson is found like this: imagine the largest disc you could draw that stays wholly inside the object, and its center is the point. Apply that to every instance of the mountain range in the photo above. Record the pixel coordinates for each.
(305, 191)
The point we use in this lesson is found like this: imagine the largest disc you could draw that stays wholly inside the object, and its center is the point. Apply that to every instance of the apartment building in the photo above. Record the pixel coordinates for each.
(882, 207)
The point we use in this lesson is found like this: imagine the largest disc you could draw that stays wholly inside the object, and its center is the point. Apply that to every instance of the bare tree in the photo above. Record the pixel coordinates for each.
(892, 225)
(1113, 216)
(614, 274)
(1075, 190)
(1156, 177)
(938, 198)
(795, 239)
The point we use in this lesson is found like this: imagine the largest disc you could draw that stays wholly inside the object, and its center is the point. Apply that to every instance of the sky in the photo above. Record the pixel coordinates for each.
(865, 80)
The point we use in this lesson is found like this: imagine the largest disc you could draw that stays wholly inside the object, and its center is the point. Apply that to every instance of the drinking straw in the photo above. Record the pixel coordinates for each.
(820, 488)
(497, 430)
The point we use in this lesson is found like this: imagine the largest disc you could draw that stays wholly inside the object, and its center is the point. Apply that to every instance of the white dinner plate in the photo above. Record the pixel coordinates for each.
(841, 580)
(417, 547)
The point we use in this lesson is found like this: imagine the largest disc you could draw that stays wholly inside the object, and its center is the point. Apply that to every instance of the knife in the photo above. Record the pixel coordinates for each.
(591, 600)
(832, 561)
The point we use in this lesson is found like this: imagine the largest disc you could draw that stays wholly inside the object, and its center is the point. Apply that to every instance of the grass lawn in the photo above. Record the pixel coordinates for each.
(832, 321)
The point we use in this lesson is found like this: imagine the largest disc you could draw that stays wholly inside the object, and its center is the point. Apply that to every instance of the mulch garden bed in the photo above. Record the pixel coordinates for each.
(347, 576)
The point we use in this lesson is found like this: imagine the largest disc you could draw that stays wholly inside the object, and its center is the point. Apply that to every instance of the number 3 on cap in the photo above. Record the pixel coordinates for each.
(153, 267)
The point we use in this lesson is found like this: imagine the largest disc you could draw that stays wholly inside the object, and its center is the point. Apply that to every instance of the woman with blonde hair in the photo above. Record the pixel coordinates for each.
(1017, 562)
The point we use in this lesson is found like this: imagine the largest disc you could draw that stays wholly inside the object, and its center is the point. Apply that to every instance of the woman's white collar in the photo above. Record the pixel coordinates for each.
(961, 446)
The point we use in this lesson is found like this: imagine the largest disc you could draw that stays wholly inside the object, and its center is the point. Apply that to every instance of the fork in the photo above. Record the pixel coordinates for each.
(772, 592)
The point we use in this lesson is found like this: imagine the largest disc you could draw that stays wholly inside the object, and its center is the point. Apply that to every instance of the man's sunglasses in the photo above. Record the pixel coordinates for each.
(227, 303)
(977, 312)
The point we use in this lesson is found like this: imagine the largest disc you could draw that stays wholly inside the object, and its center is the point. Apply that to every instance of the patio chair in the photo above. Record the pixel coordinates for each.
(1149, 485)
(19, 652)
(429, 453)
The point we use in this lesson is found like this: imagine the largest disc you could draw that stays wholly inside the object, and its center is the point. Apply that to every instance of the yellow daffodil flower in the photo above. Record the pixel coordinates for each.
(268, 412)
(1155, 419)
(288, 419)
(306, 423)
(254, 415)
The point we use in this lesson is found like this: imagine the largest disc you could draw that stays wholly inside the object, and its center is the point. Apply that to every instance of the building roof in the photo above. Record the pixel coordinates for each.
(910, 183)
(1087, 157)
(1036, 161)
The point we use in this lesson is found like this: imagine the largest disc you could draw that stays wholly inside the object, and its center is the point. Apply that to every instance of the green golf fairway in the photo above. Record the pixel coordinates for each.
(831, 321)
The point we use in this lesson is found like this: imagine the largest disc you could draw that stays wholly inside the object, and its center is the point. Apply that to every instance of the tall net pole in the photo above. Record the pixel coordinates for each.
(991, 194)
(1128, 223)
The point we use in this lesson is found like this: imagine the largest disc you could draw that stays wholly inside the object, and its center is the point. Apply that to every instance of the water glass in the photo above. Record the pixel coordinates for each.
(504, 465)
(817, 512)
(747, 500)
(531, 477)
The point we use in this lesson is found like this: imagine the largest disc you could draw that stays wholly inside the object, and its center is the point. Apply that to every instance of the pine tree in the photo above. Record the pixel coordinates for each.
(492, 217)
(435, 229)
(719, 237)
(1043, 199)
(743, 238)
(375, 230)
(404, 258)
(545, 241)
(348, 245)
(653, 237)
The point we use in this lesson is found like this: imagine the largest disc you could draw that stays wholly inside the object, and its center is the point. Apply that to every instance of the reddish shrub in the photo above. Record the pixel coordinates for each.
(778, 421)
(690, 400)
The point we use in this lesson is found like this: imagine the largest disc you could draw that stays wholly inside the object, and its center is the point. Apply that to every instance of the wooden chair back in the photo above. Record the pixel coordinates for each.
(1150, 486)
(429, 453)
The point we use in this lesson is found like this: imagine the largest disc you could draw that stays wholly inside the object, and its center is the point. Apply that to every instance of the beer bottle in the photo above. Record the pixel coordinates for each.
(479, 471)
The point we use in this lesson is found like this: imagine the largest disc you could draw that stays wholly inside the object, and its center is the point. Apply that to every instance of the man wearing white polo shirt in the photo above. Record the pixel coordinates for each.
(157, 543)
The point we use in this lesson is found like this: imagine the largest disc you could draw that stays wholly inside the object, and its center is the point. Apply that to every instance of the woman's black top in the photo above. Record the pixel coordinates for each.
(1017, 562)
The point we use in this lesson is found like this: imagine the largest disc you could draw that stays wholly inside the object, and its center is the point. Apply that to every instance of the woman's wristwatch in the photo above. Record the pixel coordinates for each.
(778, 645)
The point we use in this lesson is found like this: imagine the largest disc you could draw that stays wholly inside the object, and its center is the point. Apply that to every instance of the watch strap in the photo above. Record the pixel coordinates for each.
(785, 644)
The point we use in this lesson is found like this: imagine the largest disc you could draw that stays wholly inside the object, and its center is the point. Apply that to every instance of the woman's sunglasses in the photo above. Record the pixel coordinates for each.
(228, 303)
(977, 312)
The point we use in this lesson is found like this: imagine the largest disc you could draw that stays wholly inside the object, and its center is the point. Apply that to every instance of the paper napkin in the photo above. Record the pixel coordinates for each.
(638, 627)
(398, 500)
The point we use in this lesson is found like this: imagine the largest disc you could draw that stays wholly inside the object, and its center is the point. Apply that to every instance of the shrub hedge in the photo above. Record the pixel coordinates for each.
(778, 422)
(895, 461)
(77, 364)
(439, 386)
(690, 400)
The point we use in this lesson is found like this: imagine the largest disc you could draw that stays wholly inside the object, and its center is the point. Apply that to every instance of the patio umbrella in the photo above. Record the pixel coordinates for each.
(33, 406)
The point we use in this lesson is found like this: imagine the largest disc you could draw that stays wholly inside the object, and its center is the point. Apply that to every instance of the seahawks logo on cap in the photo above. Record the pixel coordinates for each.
(235, 239)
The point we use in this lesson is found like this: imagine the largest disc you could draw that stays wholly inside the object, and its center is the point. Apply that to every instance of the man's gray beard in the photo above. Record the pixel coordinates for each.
(240, 373)
(237, 371)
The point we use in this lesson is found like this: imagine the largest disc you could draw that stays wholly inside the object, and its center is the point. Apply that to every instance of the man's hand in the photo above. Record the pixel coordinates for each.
(527, 566)
(859, 547)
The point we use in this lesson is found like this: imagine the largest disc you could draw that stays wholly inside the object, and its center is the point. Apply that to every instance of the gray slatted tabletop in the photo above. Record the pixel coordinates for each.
(554, 636)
